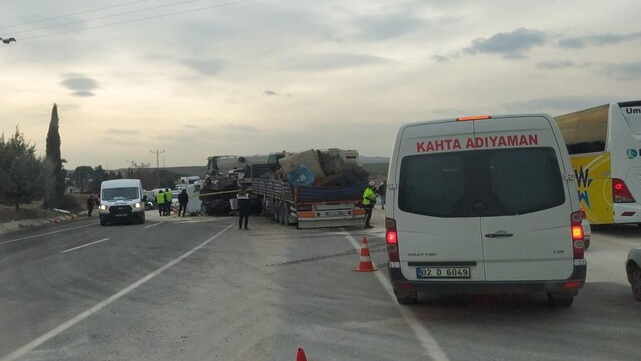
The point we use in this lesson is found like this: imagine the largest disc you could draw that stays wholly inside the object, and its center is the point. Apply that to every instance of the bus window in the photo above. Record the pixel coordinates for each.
(585, 131)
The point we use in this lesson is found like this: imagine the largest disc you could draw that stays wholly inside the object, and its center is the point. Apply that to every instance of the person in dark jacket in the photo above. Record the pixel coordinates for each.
(243, 207)
(183, 199)
(90, 204)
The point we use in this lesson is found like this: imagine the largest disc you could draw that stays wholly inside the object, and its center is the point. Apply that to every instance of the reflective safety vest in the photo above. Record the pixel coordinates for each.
(368, 196)
(168, 196)
(160, 198)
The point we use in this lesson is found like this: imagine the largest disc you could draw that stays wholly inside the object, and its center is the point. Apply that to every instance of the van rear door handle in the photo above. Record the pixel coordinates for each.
(498, 234)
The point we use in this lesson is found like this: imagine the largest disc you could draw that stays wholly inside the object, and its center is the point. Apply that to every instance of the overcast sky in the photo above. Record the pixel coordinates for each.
(211, 77)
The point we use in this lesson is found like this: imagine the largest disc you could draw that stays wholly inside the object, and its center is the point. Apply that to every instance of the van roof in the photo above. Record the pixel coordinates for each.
(489, 116)
(122, 182)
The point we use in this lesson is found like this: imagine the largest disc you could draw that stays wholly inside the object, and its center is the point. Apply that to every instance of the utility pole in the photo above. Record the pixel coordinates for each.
(158, 153)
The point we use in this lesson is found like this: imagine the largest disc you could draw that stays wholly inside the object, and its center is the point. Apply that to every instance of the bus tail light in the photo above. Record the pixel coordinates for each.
(620, 192)
(578, 241)
(391, 238)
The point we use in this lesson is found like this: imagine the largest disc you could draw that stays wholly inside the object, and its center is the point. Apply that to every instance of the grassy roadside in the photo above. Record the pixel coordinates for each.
(34, 210)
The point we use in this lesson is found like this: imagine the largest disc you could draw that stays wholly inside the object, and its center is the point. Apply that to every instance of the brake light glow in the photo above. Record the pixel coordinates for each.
(473, 117)
(620, 192)
(573, 285)
(578, 243)
(391, 238)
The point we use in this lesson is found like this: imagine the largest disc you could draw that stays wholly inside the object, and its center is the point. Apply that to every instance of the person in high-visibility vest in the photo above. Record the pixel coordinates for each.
(369, 200)
(160, 202)
(168, 197)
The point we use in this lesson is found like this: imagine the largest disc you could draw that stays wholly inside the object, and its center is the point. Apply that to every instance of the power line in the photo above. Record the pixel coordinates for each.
(73, 14)
(140, 19)
(103, 17)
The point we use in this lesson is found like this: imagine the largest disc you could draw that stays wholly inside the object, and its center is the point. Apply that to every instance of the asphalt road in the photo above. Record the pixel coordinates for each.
(200, 289)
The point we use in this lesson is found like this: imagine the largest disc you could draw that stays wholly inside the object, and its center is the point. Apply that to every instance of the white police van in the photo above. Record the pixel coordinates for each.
(121, 200)
(482, 205)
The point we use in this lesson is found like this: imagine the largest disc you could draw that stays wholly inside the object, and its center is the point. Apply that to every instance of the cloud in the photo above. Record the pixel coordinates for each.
(81, 85)
(510, 45)
(332, 61)
(622, 71)
(558, 105)
(597, 40)
(239, 128)
(388, 26)
(441, 58)
(83, 93)
(554, 64)
(208, 67)
(122, 132)
(270, 93)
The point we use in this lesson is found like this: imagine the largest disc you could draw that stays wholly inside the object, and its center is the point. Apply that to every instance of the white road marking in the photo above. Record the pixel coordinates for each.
(45, 234)
(84, 245)
(424, 336)
(153, 225)
(80, 317)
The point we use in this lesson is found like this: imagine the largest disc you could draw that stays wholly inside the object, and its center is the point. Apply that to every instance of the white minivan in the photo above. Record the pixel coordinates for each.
(484, 204)
(121, 200)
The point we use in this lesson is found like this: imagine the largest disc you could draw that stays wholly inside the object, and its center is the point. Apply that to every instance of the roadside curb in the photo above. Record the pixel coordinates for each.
(23, 224)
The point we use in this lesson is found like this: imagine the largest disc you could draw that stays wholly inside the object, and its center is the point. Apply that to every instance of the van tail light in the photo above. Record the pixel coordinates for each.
(391, 238)
(578, 242)
(620, 192)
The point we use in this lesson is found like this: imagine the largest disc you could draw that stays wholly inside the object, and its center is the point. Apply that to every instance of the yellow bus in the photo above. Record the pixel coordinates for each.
(605, 148)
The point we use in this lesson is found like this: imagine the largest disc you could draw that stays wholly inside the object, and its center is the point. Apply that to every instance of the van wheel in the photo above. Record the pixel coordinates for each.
(407, 298)
(560, 299)
(634, 276)
(103, 222)
(142, 219)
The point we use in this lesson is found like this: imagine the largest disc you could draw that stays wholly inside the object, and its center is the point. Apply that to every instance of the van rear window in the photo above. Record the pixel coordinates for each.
(494, 182)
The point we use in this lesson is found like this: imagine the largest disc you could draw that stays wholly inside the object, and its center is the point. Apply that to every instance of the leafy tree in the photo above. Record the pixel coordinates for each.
(99, 175)
(20, 169)
(54, 177)
(82, 176)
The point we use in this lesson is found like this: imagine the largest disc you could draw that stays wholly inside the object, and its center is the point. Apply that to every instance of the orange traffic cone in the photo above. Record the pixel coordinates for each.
(300, 355)
(365, 264)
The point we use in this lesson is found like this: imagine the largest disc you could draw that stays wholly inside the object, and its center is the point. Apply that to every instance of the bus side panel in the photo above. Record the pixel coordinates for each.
(593, 176)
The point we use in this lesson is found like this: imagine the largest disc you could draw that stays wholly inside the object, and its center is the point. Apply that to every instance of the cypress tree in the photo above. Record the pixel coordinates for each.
(54, 173)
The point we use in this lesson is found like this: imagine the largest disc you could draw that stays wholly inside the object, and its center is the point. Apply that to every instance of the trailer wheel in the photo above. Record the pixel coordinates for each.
(277, 212)
(286, 214)
(283, 214)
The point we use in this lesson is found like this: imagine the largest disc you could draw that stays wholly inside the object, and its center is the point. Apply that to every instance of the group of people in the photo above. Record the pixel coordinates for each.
(369, 199)
(164, 202)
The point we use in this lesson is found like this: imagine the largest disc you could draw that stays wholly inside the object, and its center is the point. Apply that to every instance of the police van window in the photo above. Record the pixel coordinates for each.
(502, 181)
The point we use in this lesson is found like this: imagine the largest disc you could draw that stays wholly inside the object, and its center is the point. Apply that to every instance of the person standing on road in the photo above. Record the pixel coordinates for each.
(381, 192)
(160, 202)
(243, 207)
(90, 204)
(369, 200)
(168, 197)
(183, 199)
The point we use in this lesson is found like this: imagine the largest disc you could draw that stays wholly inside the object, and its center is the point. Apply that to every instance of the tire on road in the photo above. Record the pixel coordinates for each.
(560, 299)
(408, 298)
(103, 222)
(634, 276)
